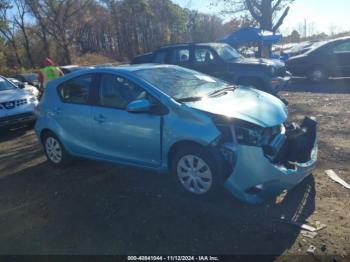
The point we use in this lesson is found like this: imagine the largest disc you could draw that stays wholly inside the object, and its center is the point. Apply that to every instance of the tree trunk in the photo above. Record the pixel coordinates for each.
(27, 46)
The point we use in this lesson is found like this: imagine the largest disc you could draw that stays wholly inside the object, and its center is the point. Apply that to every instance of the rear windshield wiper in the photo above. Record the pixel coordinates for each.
(229, 88)
(189, 99)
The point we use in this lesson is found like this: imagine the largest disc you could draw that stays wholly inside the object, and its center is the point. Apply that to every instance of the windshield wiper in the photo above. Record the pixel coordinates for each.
(218, 91)
(189, 99)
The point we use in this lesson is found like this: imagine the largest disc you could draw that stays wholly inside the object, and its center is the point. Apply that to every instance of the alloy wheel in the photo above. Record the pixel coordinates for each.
(53, 150)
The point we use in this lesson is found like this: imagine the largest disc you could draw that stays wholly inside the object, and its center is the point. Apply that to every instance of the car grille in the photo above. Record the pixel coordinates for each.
(14, 104)
(8, 120)
(281, 71)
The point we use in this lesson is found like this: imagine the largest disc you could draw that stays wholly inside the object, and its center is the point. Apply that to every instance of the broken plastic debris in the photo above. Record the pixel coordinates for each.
(300, 225)
(332, 175)
(311, 249)
(320, 226)
(308, 234)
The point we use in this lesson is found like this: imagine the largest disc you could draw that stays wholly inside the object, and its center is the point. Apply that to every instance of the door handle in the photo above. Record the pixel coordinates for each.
(100, 118)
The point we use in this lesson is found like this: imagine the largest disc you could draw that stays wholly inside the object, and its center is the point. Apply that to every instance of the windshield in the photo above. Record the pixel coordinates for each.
(6, 85)
(180, 83)
(226, 52)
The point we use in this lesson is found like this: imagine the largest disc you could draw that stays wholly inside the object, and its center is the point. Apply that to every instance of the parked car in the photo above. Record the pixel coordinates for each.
(32, 89)
(16, 105)
(70, 68)
(205, 132)
(224, 62)
(303, 47)
(324, 60)
(30, 78)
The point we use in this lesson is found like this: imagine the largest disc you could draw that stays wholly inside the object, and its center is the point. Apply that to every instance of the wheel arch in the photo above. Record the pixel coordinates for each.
(45, 131)
(179, 144)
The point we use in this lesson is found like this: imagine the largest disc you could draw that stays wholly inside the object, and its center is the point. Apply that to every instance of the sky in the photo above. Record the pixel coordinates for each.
(321, 15)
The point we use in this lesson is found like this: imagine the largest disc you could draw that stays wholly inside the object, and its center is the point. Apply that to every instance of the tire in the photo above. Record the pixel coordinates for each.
(55, 151)
(195, 171)
(317, 75)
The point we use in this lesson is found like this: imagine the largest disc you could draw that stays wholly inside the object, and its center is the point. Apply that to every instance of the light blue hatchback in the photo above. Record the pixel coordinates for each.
(204, 132)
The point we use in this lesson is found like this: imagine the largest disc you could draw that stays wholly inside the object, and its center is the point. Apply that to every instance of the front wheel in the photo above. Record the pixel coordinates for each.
(54, 150)
(317, 75)
(195, 171)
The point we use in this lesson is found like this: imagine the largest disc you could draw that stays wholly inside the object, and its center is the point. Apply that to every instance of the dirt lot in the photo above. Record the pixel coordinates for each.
(96, 208)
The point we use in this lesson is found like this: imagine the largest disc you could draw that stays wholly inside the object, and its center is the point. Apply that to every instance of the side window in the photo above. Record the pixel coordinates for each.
(342, 48)
(160, 57)
(203, 56)
(76, 90)
(118, 92)
(180, 56)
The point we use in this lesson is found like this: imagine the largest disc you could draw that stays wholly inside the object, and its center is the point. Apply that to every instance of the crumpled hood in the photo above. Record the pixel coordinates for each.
(260, 61)
(14, 94)
(247, 104)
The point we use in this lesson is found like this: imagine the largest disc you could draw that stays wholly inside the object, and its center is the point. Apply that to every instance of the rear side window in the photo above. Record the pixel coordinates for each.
(76, 90)
(180, 56)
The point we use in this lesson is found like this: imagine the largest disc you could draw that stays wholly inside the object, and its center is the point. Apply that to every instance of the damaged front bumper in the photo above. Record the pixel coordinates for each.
(257, 176)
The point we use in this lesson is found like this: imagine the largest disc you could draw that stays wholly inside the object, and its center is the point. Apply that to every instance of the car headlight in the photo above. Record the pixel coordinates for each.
(273, 70)
(33, 99)
(248, 136)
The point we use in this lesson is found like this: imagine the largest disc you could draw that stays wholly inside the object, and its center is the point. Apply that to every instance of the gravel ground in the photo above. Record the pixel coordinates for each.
(97, 208)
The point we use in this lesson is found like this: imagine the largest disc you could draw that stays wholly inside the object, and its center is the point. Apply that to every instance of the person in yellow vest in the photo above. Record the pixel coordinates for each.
(49, 72)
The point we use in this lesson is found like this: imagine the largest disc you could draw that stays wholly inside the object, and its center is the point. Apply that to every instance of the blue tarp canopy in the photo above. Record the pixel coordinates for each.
(251, 35)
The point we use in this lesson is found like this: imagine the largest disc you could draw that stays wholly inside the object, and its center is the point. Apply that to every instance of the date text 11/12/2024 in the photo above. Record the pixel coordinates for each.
(173, 258)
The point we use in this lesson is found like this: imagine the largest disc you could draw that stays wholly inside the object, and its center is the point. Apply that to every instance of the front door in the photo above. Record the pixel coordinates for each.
(119, 135)
(341, 58)
(206, 61)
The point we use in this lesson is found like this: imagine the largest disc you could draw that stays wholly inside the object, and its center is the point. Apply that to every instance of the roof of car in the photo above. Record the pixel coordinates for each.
(136, 67)
(191, 44)
(124, 67)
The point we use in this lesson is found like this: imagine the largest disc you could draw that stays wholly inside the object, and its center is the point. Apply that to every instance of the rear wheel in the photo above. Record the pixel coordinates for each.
(318, 74)
(54, 150)
(195, 171)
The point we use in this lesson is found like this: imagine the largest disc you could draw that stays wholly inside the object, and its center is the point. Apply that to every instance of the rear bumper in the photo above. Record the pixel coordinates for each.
(18, 119)
(256, 178)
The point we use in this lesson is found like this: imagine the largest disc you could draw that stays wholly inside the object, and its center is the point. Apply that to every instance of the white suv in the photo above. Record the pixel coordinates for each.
(16, 105)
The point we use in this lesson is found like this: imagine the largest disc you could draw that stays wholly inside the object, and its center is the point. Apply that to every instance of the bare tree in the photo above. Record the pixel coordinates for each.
(268, 13)
(58, 19)
(8, 28)
(21, 11)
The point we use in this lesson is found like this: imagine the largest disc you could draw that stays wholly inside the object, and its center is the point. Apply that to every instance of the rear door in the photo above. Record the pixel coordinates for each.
(73, 114)
(180, 56)
(122, 136)
(341, 56)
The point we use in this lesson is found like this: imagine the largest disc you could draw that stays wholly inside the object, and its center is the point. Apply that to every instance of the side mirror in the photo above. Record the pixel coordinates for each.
(21, 86)
(139, 106)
